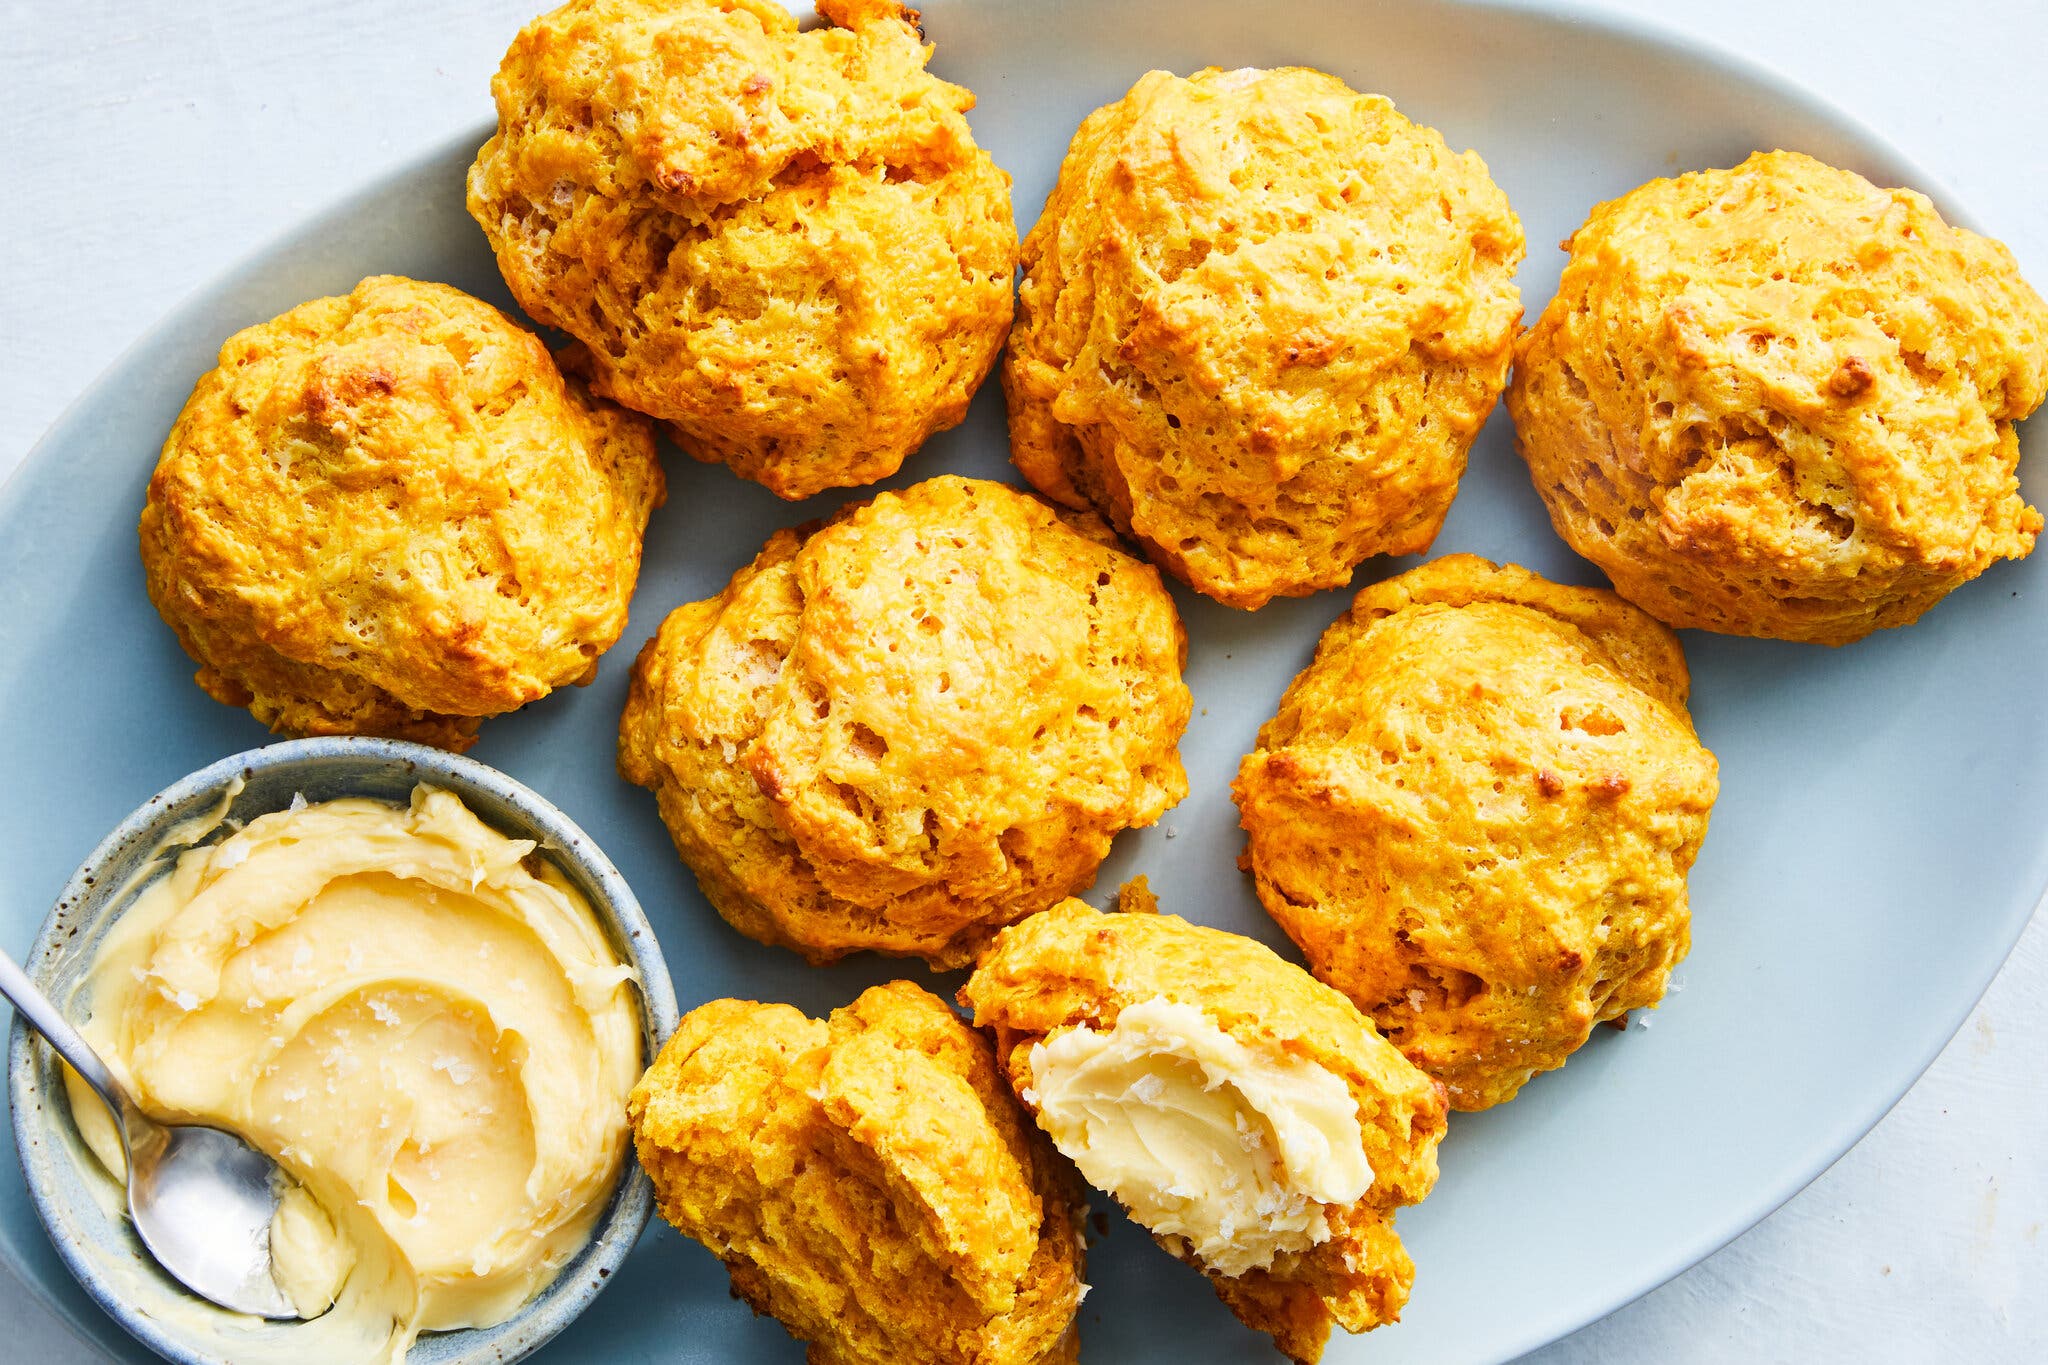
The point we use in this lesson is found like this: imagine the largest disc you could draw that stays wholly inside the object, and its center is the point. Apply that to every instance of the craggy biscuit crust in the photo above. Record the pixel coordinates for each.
(914, 725)
(388, 513)
(1262, 319)
(1778, 400)
(1475, 812)
(868, 1180)
(1076, 965)
(783, 244)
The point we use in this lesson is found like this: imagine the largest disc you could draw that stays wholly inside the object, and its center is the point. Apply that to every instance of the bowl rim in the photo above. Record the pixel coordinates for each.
(88, 902)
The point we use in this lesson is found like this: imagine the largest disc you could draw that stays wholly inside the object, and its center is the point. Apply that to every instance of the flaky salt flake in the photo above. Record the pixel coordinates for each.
(458, 1071)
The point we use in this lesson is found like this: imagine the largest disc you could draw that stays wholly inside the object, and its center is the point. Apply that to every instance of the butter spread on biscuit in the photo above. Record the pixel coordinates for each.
(427, 1028)
(1233, 1150)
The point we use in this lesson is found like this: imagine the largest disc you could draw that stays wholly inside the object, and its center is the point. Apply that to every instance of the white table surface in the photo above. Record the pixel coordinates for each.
(150, 146)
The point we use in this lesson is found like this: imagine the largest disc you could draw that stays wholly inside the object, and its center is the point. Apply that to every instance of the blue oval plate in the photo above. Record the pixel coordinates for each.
(1875, 852)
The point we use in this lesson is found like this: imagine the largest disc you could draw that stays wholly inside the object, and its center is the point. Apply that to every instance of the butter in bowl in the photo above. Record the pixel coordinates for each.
(410, 981)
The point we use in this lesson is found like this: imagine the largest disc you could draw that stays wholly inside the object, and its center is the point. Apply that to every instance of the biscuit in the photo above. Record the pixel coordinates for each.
(1475, 813)
(784, 244)
(867, 1180)
(1245, 1114)
(388, 513)
(1263, 318)
(912, 726)
(1778, 400)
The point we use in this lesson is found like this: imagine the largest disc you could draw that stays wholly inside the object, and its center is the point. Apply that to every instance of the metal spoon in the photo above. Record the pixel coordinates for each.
(201, 1199)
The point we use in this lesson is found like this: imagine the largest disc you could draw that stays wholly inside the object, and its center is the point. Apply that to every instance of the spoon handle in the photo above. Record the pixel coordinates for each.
(44, 1018)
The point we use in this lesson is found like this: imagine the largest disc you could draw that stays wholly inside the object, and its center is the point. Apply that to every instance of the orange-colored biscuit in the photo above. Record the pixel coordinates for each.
(1778, 400)
(388, 513)
(1263, 317)
(914, 725)
(1475, 812)
(1074, 971)
(867, 1180)
(783, 243)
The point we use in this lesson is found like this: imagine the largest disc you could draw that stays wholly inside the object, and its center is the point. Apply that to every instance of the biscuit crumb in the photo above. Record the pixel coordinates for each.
(1047, 977)
(1852, 378)
(1135, 897)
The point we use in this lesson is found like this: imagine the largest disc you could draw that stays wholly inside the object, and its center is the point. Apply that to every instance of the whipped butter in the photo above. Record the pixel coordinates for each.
(1230, 1151)
(424, 1025)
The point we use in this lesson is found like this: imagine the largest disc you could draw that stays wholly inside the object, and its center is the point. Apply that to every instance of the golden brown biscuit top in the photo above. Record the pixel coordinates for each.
(1787, 284)
(782, 242)
(1805, 378)
(1516, 674)
(1636, 645)
(398, 484)
(1270, 228)
(1245, 274)
(698, 103)
(1475, 811)
(929, 670)
(960, 690)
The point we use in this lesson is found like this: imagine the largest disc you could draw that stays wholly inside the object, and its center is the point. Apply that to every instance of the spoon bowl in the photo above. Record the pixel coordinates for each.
(202, 1200)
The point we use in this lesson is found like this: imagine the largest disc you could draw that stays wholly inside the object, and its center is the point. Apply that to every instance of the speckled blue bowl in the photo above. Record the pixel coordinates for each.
(81, 1206)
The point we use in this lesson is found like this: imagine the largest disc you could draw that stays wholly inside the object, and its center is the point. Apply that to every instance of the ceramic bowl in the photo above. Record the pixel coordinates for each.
(81, 1206)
